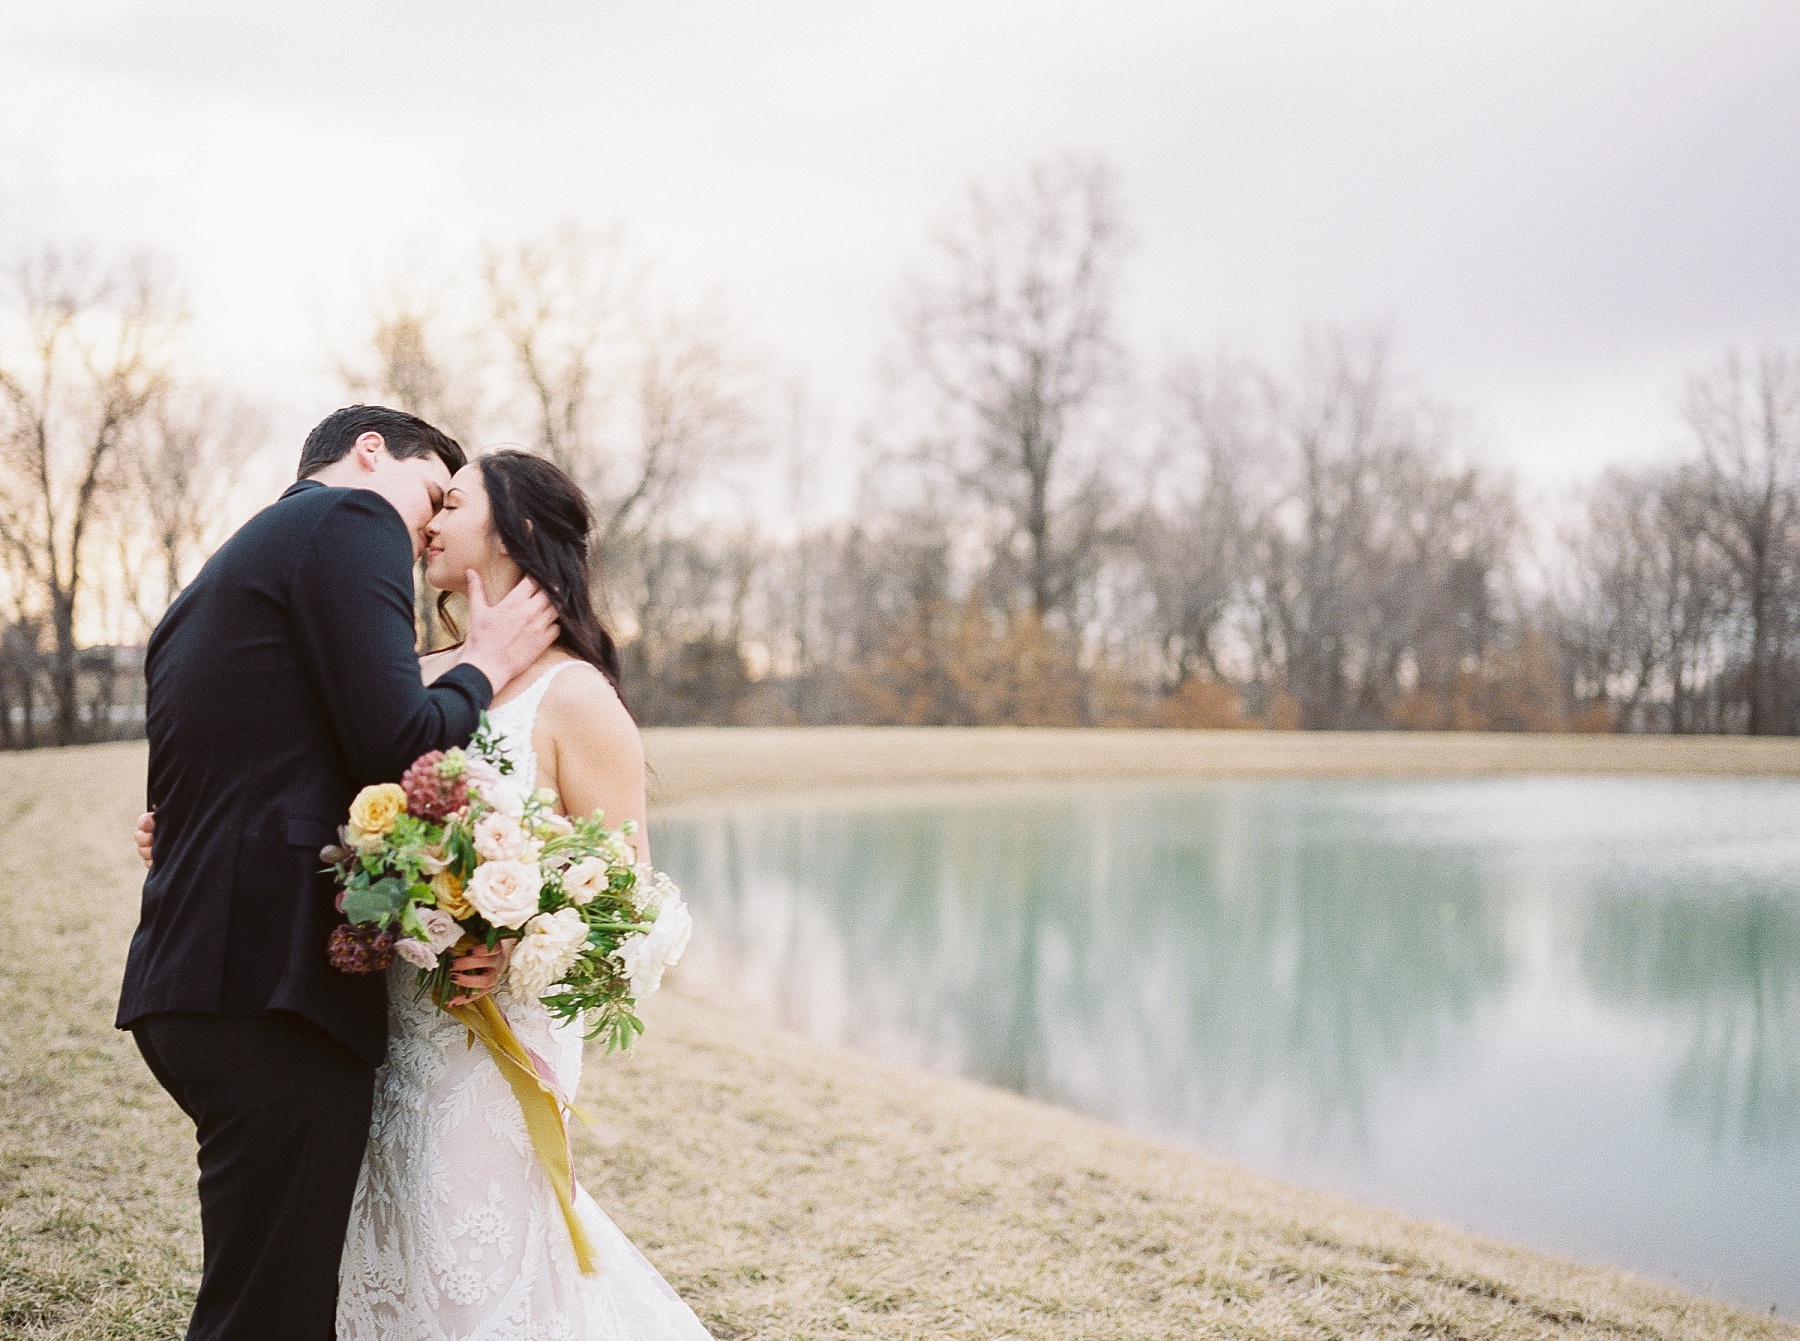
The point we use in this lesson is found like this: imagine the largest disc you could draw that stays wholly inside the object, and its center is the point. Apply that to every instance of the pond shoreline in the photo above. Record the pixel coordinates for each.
(692, 762)
(786, 1188)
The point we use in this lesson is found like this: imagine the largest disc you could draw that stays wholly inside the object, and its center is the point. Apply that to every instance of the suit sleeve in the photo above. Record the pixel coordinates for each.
(352, 599)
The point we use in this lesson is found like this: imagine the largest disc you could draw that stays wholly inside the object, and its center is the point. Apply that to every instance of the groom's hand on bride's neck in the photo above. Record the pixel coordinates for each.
(511, 634)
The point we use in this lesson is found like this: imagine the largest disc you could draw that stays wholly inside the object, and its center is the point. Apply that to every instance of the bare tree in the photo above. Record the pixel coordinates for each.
(182, 463)
(1643, 599)
(1012, 342)
(1318, 554)
(1370, 574)
(687, 664)
(637, 400)
(1454, 530)
(561, 309)
(413, 360)
(643, 403)
(91, 362)
(695, 409)
(1192, 537)
(21, 642)
(891, 601)
(800, 568)
(1745, 419)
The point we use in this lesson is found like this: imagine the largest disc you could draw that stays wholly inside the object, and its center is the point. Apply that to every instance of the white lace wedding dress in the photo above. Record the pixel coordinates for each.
(455, 1234)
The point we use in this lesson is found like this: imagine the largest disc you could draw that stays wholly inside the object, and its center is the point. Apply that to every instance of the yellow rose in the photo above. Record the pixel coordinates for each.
(449, 893)
(375, 809)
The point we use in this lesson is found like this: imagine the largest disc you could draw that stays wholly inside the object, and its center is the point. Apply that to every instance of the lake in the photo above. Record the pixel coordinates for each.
(1563, 1011)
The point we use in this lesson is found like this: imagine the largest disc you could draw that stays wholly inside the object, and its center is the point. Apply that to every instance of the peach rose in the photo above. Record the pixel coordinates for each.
(447, 888)
(375, 809)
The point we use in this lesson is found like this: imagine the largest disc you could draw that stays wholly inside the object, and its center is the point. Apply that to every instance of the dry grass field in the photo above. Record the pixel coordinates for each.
(787, 1190)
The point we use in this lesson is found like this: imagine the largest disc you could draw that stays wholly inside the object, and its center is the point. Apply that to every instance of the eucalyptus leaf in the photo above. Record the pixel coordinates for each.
(380, 902)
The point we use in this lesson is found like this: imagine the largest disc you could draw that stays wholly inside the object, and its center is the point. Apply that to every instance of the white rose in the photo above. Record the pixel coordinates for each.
(673, 928)
(585, 880)
(441, 928)
(647, 956)
(416, 953)
(506, 796)
(500, 837)
(547, 950)
(506, 892)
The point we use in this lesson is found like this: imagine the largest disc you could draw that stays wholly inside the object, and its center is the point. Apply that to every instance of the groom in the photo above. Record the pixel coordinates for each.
(281, 681)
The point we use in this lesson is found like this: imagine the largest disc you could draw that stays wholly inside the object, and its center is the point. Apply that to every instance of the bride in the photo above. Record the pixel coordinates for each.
(455, 1233)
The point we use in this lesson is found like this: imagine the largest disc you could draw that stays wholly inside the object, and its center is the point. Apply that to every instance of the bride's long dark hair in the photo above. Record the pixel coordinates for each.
(544, 524)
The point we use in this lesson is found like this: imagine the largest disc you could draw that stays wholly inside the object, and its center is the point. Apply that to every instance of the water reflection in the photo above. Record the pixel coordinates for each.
(1167, 959)
(1725, 966)
(1564, 1010)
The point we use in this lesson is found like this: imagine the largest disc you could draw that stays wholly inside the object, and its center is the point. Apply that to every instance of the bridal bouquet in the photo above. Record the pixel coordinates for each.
(457, 854)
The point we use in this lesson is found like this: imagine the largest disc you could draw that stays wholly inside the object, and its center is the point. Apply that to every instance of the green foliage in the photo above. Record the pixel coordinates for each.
(378, 901)
(597, 992)
(459, 850)
(487, 746)
(407, 844)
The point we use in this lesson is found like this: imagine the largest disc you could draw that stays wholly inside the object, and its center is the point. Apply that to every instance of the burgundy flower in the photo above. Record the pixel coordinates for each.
(429, 794)
(361, 949)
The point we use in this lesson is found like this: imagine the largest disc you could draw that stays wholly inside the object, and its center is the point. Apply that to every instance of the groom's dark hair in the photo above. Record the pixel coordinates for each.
(406, 435)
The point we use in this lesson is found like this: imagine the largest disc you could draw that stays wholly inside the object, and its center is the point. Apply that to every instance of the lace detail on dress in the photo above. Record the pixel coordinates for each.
(455, 1233)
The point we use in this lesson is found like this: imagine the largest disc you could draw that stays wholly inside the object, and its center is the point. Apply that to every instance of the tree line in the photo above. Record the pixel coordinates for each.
(1047, 530)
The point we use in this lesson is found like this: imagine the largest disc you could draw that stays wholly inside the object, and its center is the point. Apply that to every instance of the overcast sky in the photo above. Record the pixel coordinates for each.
(1557, 207)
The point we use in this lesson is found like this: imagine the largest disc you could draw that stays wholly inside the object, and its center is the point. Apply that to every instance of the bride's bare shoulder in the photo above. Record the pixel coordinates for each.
(588, 747)
(585, 715)
(582, 696)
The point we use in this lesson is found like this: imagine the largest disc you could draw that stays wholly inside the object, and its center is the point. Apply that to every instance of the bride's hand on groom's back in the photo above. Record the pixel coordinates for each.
(144, 834)
(509, 635)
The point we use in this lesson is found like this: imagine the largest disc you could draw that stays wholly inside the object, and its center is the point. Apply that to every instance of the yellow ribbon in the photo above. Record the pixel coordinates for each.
(543, 1110)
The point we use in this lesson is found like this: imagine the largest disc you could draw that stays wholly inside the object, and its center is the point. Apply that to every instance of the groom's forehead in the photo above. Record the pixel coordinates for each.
(432, 467)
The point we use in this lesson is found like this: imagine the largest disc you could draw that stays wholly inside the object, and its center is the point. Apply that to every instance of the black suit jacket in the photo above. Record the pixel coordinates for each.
(281, 681)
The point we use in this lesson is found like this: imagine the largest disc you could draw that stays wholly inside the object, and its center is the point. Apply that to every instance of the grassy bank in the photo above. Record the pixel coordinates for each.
(787, 1190)
(700, 761)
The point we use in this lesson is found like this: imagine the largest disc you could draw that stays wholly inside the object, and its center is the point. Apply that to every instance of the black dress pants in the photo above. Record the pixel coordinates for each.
(281, 1112)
